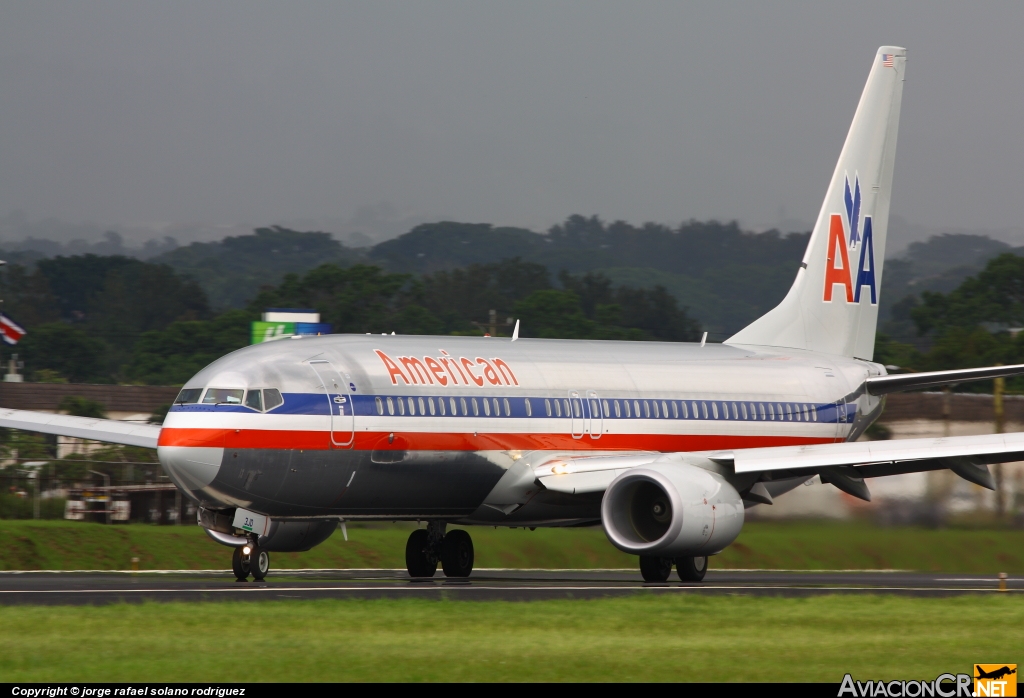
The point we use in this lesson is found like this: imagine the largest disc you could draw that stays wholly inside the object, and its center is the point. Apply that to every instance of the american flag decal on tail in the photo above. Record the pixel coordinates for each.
(887, 60)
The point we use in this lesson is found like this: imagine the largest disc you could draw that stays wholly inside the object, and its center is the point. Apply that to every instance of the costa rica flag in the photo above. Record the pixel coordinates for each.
(10, 331)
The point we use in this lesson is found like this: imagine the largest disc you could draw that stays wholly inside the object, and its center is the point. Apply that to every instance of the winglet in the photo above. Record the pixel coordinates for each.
(515, 332)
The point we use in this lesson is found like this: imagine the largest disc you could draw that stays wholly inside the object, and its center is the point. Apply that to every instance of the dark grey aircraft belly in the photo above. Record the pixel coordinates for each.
(353, 484)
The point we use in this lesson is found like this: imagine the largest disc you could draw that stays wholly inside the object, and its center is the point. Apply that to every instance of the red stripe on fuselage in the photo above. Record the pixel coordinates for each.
(427, 441)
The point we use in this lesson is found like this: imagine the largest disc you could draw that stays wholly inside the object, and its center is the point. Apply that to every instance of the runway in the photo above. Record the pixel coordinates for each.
(80, 587)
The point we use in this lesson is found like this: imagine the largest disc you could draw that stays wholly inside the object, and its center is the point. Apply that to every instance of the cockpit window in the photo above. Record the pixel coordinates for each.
(272, 398)
(223, 396)
(254, 399)
(188, 396)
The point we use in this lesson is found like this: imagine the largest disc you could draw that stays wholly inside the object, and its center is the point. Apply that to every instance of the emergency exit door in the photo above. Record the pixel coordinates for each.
(339, 403)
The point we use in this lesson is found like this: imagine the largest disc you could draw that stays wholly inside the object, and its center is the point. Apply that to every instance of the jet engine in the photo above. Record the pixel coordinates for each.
(671, 510)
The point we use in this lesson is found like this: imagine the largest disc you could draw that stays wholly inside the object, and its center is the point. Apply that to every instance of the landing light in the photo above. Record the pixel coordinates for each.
(246, 550)
(560, 469)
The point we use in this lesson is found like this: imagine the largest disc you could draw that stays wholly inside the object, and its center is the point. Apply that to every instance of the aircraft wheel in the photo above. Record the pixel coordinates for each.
(692, 569)
(655, 569)
(418, 559)
(240, 565)
(457, 554)
(259, 564)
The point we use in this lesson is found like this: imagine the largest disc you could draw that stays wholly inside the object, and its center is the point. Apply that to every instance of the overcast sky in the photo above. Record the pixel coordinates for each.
(170, 115)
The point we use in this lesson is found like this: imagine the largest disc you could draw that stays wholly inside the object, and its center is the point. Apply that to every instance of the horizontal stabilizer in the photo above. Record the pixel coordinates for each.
(881, 385)
(106, 430)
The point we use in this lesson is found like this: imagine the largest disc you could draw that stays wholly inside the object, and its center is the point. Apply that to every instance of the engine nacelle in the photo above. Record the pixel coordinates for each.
(671, 510)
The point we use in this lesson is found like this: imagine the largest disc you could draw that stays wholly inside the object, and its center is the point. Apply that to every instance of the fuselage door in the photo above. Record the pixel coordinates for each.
(576, 414)
(841, 416)
(339, 403)
(595, 418)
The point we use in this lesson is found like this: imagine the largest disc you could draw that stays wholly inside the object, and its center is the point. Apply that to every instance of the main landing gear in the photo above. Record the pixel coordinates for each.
(250, 559)
(428, 546)
(658, 569)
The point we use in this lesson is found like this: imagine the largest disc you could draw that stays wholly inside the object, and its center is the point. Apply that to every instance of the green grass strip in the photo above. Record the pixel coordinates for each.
(647, 637)
(44, 545)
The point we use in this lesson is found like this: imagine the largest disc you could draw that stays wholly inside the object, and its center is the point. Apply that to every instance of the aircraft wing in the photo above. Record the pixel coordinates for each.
(108, 430)
(844, 465)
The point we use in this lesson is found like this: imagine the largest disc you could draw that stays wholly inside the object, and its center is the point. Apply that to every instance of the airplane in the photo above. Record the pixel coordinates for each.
(665, 445)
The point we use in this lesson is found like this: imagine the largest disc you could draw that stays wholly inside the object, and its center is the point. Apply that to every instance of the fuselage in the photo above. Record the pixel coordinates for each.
(411, 427)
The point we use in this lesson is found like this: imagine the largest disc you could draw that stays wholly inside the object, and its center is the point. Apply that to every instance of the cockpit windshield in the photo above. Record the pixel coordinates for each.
(223, 396)
(188, 396)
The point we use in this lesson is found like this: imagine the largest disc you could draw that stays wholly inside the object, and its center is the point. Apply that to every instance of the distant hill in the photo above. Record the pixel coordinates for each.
(233, 270)
(726, 276)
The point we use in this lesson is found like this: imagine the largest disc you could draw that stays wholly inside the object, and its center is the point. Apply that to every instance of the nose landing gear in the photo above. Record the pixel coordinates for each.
(250, 559)
(426, 547)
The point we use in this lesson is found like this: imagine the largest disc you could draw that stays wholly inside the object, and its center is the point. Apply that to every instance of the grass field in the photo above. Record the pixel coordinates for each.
(790, 545)
(642, 638)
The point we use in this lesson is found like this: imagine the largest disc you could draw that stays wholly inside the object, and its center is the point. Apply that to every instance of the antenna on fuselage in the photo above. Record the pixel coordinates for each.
(704, 339)
(515, 332)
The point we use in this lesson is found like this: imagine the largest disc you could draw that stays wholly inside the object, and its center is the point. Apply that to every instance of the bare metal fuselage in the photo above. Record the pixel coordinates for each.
(388, 427)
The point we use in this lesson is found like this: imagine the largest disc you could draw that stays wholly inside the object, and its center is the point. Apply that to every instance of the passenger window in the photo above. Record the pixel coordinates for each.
(465, 410)
(675, 410)
(430, 402)
(744, 406)
(380, 405)
(547, 407)
(771, 411)
(423, 407)
(686, 412)
(753, 411)
(558, 408)
(440, 405)
(487, 408)
(704, 409)
(655, 402)
(496, 412)
(735, 412)
(696, 415)
(476, 407)
(714, 409)
(529, 408)
(451, 403)
(760, 406)
(636, 408)
(780, 411)
(576, 408)
(412, 407)
(607, 412)
(664, 408)
(725, 410)
(595, 409)
(647, 409)
(508, 408)
(565, 404)
(188, 396)
(391, 406)
(254, 399)
(814, 413)
(401, 406)
(625, 405)
(223, 396)
(618, 412)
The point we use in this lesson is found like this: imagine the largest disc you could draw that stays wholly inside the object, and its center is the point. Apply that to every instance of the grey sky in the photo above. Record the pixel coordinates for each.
(197, 115)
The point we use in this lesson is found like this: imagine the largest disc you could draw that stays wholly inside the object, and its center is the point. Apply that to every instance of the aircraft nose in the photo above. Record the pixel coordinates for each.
(191, 468)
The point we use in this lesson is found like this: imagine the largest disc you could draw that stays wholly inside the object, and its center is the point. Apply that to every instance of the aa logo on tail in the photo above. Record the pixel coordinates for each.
(850, 239)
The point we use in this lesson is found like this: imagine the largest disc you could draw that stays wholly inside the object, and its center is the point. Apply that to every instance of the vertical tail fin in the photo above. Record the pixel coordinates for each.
(832, 306)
